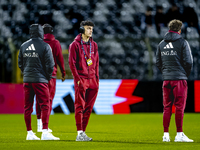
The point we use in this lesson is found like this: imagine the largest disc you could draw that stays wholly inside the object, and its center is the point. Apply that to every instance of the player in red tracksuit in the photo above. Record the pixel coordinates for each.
(36, 62)
(174, 60)
(84, 64)
(59, 61)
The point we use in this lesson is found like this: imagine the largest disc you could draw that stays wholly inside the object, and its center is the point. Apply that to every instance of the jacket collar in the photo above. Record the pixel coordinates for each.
(78, 39)
(171, 36)
(173, 31)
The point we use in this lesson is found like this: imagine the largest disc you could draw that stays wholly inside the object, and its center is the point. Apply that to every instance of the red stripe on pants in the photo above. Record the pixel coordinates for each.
(85, 96)
(174, 92)
(52, 91)
(42, 93)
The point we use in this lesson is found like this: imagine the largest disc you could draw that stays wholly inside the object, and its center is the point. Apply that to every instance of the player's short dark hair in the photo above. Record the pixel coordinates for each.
(47, 28)
(175, 25)
(87, 23)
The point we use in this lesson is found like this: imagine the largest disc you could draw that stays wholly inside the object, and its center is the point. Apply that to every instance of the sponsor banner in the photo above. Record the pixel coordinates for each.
(109, 100)
(115, 96)
(197, 96)
(119, 97)
(11, 99)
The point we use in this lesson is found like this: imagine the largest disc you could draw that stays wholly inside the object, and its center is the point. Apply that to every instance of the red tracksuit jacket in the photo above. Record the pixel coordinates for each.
(77, 62)
(57, 53)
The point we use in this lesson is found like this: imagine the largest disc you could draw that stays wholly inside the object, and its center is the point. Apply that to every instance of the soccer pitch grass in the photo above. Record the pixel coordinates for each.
(137, 131)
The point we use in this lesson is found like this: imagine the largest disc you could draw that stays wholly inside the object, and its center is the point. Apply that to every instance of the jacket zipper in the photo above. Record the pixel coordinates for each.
(87, 65)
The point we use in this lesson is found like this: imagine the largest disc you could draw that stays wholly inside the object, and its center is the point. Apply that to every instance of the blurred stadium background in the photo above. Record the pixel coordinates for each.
(127, 33)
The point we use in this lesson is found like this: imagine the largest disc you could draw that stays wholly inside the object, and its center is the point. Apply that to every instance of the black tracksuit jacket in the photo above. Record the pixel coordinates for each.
(174, 57)
(35, 58)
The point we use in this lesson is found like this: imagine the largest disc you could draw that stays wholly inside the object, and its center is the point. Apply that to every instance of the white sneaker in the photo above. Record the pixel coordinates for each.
(49, 130)
(48, 136)
(83, 137)
(40, 130)
(40, 126)
(182, 138)
(80, 137)
(32, 136)
(86, 137)
(166, 139)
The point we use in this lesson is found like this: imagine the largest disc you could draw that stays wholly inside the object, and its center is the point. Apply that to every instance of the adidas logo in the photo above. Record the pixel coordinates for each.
(31, 47)
(169, 45)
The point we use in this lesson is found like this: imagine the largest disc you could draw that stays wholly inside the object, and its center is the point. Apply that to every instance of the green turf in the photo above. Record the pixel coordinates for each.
(135, 131)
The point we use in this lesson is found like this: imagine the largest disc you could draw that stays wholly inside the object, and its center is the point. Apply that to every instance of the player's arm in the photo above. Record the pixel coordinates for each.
(187, 58)
(20, 60)
(97, 63)
(158, 59)
(60, 60)
(73, 53)
(48, 61)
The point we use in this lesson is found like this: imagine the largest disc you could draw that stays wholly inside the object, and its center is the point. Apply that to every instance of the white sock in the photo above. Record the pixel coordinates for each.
(166, 134)
(30, 132)
(80, 131)
(179, 133)
(39, 122)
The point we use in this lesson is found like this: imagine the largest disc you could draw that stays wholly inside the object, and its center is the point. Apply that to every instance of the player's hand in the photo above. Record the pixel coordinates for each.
(63, 79)
(78, 82)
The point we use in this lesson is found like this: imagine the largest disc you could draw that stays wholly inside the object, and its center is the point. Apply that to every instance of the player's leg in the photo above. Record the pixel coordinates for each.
(167, 112)
(43, 98)
(38, 113)
(52, 91)
(91, 95)
(180, 93)
(80, 91)
(28, 109)
(42, 94)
